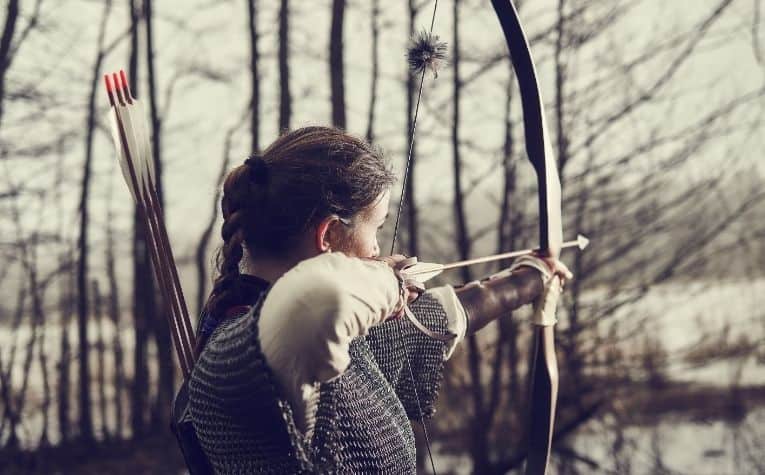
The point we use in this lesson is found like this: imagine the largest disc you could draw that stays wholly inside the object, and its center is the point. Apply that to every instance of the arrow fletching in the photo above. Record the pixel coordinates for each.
(131, 140)
(137, 116)
(121, 150)
(423, 271)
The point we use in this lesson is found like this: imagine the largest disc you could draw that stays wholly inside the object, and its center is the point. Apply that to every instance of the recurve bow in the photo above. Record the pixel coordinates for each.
(544, 366)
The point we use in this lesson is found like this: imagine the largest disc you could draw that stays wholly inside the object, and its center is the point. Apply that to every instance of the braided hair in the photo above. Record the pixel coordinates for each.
(273, 198)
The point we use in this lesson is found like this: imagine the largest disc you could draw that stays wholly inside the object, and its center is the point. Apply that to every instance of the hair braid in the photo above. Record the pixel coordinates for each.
(227, 289)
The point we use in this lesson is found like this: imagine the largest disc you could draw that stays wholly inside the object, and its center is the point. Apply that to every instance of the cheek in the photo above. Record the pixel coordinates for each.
(363, 243)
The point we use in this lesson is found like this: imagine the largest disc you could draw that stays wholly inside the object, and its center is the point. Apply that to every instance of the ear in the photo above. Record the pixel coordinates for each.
(325, 234)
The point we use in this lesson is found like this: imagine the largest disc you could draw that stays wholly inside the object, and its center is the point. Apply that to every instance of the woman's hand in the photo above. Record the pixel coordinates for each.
(554, 275)
(410, 288)
(556, 267)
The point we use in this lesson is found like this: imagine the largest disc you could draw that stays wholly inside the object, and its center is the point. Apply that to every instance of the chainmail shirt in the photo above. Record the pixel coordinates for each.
(245, 424)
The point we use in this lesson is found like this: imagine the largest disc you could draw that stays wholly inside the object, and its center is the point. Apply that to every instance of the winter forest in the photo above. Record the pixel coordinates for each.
(656, 114)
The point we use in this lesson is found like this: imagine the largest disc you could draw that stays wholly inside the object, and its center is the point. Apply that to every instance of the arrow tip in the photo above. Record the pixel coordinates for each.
(582, 241)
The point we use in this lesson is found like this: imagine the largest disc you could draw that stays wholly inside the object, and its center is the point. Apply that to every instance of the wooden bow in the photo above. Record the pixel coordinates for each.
(544, 366)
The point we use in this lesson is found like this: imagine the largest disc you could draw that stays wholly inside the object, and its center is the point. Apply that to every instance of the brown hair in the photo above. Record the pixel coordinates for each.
(274, 197)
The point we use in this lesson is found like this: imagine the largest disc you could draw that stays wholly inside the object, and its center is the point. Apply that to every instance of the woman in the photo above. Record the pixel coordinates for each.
(304, 365)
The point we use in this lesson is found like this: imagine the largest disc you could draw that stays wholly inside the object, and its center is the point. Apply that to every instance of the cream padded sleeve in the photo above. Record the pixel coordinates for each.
(312, 313)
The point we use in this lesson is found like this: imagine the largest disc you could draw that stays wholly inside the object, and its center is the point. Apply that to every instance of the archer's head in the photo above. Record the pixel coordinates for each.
(314, 190)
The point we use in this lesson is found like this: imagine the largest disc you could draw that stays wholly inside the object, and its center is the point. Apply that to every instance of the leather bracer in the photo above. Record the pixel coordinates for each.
(488, 299)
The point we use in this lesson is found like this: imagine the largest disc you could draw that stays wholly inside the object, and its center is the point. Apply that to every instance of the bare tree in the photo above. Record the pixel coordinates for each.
(66, 298)
(285, 98)
(12, 414)
(100, 363)
(114, 316)
(10, 43)
(411, 200)
(42, 356)
(144, 299)
(252, 29)
(756, 40)
(11, 18)
(165, 362)
(509, 228)
(84, 402)
(336, 67)
(374, 21)
(479, 435)
(28, 247)
(563, 41)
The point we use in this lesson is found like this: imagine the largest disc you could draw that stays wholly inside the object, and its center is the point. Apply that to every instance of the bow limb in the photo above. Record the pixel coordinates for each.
(544, 367)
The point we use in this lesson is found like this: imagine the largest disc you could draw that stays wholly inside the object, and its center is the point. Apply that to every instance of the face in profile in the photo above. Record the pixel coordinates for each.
(358, 238)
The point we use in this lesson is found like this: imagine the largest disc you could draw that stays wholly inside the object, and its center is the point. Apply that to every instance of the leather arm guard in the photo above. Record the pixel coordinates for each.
(497, 295)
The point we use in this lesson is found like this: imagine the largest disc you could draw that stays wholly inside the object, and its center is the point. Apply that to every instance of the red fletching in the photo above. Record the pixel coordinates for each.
(118, 89)
(126, 87)
(109, 89)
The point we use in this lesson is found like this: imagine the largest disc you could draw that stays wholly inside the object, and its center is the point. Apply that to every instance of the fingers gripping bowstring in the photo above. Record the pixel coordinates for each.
(393, 245)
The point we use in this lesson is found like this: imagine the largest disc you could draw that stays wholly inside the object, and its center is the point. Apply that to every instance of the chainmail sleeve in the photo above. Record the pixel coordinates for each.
(393, 341)
(243, 424)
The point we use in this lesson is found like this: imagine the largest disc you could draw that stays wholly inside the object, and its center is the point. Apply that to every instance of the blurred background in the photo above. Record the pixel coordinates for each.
(656, 115)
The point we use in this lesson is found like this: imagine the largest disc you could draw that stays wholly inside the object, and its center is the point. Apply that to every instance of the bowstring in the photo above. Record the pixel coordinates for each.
(393, 246)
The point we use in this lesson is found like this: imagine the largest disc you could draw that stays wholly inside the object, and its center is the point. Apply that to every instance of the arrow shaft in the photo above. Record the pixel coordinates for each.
(158, 258)
(492, 258)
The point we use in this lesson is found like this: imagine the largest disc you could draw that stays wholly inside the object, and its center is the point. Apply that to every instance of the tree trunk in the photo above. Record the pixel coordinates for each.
(28, 256)
(64, 366)
(479, 447)
(409, 197)
(84, 400)
(508, 229)
(114, 317)
(42, 356)
(165, 362)
(374, 20)
(568, 342)
(26, 372)
(11, 17)
(144, 306)
(143, 309)
(285, 99)
(336, 71)
(10, 412)
(254, 75)
(101, 350)
(508, 220)
(461, 225)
